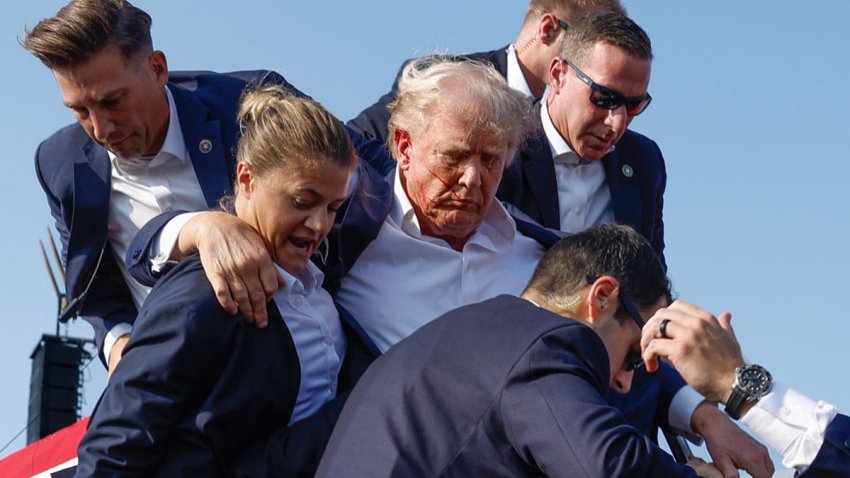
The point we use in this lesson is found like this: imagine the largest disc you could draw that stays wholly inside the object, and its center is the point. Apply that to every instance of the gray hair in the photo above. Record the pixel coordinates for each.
(591, 28)
(480, 95)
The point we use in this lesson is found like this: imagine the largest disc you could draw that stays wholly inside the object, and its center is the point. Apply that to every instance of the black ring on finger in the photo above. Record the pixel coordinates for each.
(663, 328)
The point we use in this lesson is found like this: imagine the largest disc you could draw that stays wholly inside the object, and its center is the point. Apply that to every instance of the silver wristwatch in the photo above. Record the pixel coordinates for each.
(751, 383)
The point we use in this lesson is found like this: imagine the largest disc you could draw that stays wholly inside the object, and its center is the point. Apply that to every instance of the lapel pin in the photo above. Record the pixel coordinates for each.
(205, 146)
(628, 171)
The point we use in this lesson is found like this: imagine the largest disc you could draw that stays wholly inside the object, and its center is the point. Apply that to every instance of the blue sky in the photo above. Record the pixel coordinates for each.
(750, 109)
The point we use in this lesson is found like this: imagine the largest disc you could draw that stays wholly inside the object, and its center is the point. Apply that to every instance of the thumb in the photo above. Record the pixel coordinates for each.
(725, 320)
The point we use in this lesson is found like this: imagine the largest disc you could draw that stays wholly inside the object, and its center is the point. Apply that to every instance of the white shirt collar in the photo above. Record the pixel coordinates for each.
(303, 283)
(497, 231)
(516, 79)
(174, 145)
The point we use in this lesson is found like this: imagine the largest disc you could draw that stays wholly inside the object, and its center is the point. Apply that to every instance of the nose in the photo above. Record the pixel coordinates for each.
(618, 120)
(319, 221)
(102, 125)
(471, 175)
(622, 381)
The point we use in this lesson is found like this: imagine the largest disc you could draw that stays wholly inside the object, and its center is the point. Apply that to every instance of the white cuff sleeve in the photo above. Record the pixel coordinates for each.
(164, 242)
(114, 334)
(682, 409)
(790, 423)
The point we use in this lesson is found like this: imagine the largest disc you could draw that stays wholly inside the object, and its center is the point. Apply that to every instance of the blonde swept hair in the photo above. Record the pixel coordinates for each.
(481, 96)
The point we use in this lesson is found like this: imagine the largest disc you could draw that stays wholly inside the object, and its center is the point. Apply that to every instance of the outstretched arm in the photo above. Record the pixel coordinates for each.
(235, 259)
(705, 351)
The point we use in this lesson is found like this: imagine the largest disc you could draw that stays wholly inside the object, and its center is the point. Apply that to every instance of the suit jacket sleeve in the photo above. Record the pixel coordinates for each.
(190, 370)
(108, 301)
(138, 254)
(147, 395)
(658, 226)
(833, 459)
(557, 418)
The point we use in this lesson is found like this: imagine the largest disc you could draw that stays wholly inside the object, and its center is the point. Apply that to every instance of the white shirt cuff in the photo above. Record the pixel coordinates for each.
(164, 242)
(790, 423)
(114, 334)
(682, 409)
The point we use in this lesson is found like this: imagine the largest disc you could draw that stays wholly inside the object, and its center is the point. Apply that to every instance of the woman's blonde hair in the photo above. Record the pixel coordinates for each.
(279, 130)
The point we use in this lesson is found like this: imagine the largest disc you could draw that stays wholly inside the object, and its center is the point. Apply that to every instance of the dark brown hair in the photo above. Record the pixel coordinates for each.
(83, 28)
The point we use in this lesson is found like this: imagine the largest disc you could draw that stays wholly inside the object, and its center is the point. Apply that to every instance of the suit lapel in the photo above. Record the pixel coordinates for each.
(206, 147)
(538, 173)
(622, 179)
(92, 179)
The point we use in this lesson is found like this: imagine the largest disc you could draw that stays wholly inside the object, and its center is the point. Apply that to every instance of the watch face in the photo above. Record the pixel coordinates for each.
(754, 380)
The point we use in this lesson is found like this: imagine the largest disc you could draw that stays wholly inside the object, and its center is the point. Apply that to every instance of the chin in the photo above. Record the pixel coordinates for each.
(293, 266)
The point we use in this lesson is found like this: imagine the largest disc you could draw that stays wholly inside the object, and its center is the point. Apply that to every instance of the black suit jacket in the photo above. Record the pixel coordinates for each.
(197, 387)
(634, 171)
(372, 122)
(498, 388)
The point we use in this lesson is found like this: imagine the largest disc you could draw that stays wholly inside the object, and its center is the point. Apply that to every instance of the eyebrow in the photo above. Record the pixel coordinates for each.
(109, 95)
(318, 195)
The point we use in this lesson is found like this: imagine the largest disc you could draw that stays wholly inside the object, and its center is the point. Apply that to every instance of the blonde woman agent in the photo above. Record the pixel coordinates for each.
(195, 387)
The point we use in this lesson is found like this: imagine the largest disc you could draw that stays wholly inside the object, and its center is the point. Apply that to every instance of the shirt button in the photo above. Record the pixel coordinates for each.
(167, 208)
(298, 302)
(785, 411)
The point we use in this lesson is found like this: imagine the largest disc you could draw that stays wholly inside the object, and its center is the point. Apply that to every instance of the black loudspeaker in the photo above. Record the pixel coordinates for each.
(55, 386)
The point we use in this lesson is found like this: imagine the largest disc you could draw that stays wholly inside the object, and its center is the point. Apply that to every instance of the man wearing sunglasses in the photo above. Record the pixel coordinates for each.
(524, 63)
(583, 167)
(517, 386)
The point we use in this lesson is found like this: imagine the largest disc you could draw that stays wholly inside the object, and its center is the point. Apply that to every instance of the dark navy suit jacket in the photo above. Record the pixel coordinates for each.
(634, 171)
(372, 122)
(197, 387)
(74, 172)
(833, 458)
(498, 388)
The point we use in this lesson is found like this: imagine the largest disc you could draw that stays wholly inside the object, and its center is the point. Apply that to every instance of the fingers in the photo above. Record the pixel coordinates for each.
(238, 266)
(222, 291)
(706, 470)
(726, 467)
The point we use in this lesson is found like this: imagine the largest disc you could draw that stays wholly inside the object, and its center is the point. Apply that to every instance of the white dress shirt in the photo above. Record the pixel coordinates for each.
(405, 279)
(791, 423)
(143, 188)
(584, 199)
(313, 322)
(516, 80)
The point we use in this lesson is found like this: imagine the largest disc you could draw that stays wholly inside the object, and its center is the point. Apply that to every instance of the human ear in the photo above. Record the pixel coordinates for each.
(603, 293)
(403, 145)
(548, 29)
(159, 67)
(557, 73)
(245, 178)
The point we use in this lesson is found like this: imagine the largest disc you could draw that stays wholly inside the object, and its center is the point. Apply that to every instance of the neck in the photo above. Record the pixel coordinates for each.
(535, 83)
(533, 73)
(162, 118)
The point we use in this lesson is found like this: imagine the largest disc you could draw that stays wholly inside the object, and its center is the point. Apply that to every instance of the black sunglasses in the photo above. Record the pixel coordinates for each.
(609, 99)
(633, 357)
